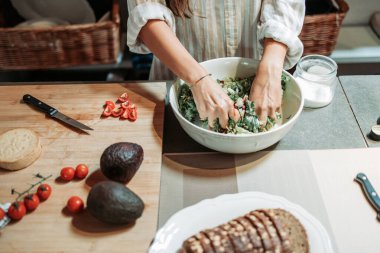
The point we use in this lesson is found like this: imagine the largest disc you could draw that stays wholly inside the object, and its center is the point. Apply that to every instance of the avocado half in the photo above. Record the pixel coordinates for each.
(112, 202)
(120, 161)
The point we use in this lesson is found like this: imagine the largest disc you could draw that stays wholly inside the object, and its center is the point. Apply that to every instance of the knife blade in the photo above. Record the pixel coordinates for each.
(369, 191)
(54, 113)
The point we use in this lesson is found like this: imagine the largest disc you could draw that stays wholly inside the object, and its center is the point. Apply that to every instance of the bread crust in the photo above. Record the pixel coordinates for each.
(12, 158)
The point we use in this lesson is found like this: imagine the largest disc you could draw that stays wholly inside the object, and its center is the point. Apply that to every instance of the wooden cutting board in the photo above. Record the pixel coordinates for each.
(50, 228)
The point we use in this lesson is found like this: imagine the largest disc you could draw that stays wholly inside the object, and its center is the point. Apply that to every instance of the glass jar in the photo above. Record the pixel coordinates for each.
(317, 76)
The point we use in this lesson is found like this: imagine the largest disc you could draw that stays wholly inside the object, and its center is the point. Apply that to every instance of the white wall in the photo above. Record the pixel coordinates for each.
(360, 11)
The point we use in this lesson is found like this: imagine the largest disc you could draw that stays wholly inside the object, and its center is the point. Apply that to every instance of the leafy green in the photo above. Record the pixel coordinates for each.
(238, 90)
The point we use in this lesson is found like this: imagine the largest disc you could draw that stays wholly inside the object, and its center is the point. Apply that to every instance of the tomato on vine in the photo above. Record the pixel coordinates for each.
(44, 191)
(17, 210)
(31, 202)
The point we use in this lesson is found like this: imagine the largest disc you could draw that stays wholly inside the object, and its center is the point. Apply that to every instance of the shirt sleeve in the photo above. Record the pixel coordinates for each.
(282, 21)
(140, 12)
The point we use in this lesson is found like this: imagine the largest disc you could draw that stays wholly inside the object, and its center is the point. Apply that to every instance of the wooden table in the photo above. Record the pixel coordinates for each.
(50, 228)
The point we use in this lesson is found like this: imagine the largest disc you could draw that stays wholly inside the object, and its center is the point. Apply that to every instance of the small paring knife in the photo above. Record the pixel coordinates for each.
(370, 192)
(54, 113)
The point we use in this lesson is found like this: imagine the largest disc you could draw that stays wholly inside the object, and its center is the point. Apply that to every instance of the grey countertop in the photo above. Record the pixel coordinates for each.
(344, 123)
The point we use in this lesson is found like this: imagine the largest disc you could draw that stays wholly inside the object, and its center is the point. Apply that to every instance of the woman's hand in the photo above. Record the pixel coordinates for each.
(212, 103)
(266, 89)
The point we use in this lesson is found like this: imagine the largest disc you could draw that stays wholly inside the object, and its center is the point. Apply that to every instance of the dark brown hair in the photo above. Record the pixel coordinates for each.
(180, 8)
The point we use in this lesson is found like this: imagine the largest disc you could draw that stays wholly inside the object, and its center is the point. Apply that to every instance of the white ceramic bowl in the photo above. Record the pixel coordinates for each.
(221, 68)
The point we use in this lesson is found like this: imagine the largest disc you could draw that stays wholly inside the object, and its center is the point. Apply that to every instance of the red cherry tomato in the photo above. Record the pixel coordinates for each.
(17, 210)
(2, 213)
(81, 171)
(43, 192)
(31, 202)
(75, 204)
(67, 173)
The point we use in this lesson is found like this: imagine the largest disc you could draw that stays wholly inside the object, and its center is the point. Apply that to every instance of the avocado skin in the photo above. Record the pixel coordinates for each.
(120, 161)
(113, 203)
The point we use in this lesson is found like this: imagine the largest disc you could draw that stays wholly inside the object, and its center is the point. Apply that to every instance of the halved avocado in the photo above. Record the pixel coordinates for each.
(112, 202)
(120, 161)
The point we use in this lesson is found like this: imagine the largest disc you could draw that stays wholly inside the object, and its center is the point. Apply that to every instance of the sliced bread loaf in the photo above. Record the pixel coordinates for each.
(259, 231)
(19, 148)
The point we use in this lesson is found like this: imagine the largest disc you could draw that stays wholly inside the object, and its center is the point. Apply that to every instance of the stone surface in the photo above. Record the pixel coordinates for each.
(363, 93)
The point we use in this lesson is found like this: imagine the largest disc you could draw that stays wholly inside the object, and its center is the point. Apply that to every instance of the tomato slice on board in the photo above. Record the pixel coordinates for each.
(117, 112)
(125, 114)
(132, 115)
(110, 104)
(107, 111)
(125, 104)
(123, 97)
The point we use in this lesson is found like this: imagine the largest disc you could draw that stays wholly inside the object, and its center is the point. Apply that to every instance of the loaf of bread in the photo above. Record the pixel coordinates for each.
(19, 148)
(264, 230)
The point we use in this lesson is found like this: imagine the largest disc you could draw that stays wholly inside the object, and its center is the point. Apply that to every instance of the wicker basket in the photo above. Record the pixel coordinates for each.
(61, 46)
(320, 32)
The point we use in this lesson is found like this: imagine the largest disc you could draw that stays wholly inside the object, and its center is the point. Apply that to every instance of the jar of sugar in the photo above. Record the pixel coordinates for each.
(317, 76)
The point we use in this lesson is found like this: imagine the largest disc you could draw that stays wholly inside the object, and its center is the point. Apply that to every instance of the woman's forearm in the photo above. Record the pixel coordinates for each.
(274, 53)
(164, 44)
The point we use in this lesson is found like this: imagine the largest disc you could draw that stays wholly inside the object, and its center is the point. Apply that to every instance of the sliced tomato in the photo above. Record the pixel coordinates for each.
(132, 106)
(125, 104)
(132, 115)
(110, 104)
(107, 111)
(123, 97)
(2, 213)
(125, 114)
(117, 112)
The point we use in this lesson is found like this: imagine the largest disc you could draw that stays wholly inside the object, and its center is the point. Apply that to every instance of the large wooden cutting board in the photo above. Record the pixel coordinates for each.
(50, 228)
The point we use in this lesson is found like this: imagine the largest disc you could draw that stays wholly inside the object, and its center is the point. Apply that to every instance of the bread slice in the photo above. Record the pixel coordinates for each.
(252, 233)
(276, 242)
(219, 240)
(19, 148)
(296, 231)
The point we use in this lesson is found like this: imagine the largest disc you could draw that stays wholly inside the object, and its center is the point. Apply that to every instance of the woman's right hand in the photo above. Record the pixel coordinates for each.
(212, 103)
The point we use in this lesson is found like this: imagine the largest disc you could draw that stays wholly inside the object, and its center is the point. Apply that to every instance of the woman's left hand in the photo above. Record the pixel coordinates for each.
(266, 91)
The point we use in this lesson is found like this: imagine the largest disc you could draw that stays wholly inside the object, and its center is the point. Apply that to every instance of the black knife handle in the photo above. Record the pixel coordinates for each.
(369, 190)
(29, 99)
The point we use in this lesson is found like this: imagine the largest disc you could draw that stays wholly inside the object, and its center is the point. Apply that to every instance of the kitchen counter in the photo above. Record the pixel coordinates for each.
(335, 126)
(312, 166)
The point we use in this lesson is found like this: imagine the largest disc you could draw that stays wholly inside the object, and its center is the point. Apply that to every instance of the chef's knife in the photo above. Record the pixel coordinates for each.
(370, 192)
(52, 112)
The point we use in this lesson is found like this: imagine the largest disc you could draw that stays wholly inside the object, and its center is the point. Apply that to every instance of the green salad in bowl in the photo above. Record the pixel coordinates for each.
(238, 90)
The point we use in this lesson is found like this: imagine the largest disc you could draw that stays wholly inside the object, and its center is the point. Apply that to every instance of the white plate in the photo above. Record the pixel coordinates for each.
(212, 212)
(72, 11)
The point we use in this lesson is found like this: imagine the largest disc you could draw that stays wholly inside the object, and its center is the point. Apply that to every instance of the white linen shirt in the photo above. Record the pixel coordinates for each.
(221, 28)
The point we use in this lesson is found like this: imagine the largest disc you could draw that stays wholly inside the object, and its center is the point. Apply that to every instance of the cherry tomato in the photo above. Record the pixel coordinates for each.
(81, 171)
(17, 210)
(31, 202)
(123, 97)
(67, 173)
(75, 204)
(43, 192)
(2, 213)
